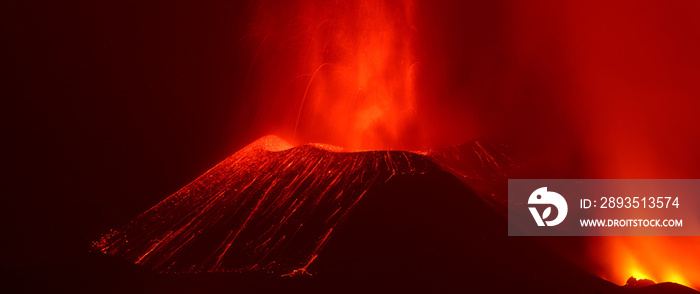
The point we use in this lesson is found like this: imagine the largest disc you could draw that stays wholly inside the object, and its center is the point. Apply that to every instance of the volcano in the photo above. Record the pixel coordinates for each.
(317, 218)
(267, 207)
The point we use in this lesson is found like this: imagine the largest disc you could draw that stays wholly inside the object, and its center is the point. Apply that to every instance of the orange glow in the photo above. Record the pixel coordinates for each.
(661, 259)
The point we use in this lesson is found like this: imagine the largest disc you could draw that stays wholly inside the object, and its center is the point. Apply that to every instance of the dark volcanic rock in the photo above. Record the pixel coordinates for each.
(268, 207)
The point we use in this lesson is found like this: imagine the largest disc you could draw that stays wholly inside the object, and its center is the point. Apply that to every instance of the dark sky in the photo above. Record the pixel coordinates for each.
(111, 106)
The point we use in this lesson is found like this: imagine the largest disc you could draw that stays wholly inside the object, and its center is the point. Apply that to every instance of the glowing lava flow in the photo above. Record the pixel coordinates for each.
(267, 207)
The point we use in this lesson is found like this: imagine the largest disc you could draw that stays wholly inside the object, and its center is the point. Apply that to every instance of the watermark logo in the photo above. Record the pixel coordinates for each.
(603, 207)
(542, 196)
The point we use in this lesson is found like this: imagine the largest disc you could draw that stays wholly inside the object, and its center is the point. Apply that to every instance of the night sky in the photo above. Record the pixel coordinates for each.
(112, 106)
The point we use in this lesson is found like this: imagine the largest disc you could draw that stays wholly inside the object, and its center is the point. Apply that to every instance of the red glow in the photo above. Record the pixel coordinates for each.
(348, 72)
(361, 91)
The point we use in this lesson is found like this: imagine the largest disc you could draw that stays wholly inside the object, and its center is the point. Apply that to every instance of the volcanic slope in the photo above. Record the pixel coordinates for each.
(269, 206)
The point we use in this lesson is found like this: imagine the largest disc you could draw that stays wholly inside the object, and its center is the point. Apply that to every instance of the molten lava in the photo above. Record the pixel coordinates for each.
(267, 207)
(661, 259)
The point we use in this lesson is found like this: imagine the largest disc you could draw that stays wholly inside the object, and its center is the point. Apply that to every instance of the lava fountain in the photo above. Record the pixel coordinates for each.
(352, 67)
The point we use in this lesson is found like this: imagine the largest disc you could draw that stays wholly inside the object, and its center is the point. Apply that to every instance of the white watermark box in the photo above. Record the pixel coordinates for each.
(603, 207)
